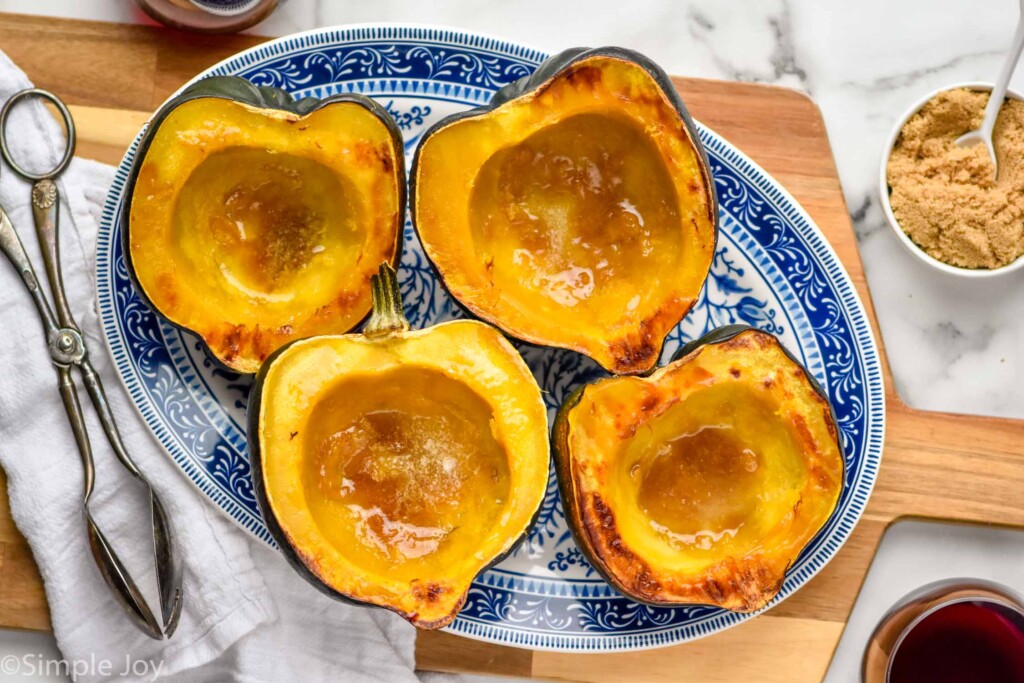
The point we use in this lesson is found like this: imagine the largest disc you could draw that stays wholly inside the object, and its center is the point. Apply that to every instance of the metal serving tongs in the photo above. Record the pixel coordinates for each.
(67, 348)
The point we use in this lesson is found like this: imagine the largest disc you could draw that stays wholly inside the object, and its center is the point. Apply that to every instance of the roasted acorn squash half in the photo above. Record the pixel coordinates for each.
(253, 220)
(703, 482)
(392, 466)
(575, 210)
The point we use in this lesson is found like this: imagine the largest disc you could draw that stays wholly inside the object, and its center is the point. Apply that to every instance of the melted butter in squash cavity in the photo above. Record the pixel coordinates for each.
(689, 488)
(705, 469)
(262, 218)
(253, 226)
(575, 210)
(402, 469)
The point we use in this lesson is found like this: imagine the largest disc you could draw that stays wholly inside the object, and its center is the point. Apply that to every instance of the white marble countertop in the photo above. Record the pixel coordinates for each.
(953, 345)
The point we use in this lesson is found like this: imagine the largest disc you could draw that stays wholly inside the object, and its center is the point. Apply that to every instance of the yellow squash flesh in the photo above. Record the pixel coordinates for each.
(578, 215)
(254, 226)
(398, 467)
(703, 482)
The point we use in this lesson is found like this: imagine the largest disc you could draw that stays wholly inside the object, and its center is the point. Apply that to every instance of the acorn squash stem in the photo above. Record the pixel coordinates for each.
(387, 317)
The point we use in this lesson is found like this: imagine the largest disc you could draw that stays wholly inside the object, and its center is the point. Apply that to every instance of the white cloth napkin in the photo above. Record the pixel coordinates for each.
(247, 616)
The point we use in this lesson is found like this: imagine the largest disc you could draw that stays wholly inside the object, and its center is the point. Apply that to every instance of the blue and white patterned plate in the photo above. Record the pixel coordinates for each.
(773, 269)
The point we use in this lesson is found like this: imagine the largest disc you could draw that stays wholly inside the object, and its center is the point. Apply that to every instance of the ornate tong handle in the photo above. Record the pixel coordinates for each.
(45, 201)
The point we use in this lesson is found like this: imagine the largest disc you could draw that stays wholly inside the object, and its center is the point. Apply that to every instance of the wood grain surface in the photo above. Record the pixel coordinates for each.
(934, 465)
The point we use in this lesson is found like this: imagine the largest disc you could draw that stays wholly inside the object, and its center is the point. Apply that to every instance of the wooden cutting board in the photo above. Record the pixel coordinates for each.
(935, 465)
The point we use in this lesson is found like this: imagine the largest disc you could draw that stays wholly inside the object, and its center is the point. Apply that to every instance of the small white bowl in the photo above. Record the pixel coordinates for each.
(883, 191)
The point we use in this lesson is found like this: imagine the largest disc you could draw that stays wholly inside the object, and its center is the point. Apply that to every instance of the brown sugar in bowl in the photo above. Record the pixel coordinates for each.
(884, 191)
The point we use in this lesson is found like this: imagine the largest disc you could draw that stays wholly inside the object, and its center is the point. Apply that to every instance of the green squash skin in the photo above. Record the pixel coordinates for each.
(563, 474)
(560, 456)
(256, 470)
(237, 89)
(560, 446)
(270, 518)
(548, 70)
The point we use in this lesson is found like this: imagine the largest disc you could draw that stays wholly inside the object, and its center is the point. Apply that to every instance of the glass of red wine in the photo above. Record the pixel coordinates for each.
(955, 631)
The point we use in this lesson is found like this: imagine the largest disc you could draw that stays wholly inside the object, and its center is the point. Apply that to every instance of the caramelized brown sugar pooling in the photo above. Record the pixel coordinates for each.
(578, 215)
(710, 473)
(253, 227)
(702, 482)
(576, 211)
(689, 488)
(402, 469)
(259, 219)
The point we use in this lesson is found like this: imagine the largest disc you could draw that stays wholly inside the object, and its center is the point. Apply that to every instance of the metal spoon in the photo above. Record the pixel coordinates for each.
(983, 135)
